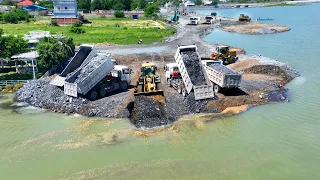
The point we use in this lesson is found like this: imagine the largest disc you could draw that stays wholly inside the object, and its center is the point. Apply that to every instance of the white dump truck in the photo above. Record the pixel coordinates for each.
(194, 20)
(191, 77)
(209, 19)
(97, 77)
(221, 76)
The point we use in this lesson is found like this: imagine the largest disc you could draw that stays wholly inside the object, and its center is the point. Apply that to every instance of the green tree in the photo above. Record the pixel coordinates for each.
(7, 2)
(10, 45)
(84, 4)
(134, 5)
(118, 6)
(96, 4)
(151, 10)
(1, 32)
(127, 4)
(142, 4)
(52, 52)
(46, 3)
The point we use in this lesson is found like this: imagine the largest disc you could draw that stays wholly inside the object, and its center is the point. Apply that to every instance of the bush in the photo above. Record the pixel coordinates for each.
(77, 30)
(17, 87)
(54, 23)
(117, 25)
(77, 24)
(119, 14)
(8, 88)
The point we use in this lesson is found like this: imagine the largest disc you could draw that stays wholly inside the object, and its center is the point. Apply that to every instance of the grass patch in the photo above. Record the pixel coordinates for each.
(284, 4)
(102, 30)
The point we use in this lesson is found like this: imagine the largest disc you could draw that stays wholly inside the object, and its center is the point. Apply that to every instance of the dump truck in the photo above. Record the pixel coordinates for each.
(194, 20)
(85, 53)
(149, 80)
(97, 77)
(243, 17)
(221, 76)
(209, 19)
(192, 74)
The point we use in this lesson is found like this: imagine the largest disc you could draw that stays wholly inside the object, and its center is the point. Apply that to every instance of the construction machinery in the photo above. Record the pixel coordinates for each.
(149, 80)
(194, 20)
(175, 16)
(224, 53)
(243, 17)
(97, 78)
(191, 75)
(209, 19)
(221, 76)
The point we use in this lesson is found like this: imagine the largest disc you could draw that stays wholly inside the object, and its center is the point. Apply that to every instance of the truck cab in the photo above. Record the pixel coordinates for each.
(123, 72)
(172, 70)
(194, 20)
(209, 19)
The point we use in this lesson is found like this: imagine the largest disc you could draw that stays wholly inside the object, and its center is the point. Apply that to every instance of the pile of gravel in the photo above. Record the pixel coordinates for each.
(191, 61)
(90, 67)
(224, 69)
(149, 113)
(40, 93)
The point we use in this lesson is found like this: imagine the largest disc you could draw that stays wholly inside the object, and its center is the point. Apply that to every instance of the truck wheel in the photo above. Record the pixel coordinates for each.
(184, 92)
(103, 92)
(159, 86)
(123, 85)
(216, 88)
(179, 89)
(93, 95)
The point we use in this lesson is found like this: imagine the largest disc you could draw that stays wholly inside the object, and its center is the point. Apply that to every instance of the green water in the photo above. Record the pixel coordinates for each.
(274, 141)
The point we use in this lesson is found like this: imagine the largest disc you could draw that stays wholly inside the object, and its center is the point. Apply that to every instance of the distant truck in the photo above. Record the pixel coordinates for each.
(97, 78)
(221, 76)
(209, 19)
(185, 82)
(194, 20)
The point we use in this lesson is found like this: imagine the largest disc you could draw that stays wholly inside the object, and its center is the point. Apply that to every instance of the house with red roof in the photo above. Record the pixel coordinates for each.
(25, 3)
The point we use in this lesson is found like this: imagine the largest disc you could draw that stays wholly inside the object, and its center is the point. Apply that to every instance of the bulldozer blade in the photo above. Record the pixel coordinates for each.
(158, 92)
(204, 58)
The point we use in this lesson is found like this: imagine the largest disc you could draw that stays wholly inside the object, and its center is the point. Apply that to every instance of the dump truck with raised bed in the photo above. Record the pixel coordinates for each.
(98, 77)
(192, 73)
(221, 76)
(85, 53)
(149, 80)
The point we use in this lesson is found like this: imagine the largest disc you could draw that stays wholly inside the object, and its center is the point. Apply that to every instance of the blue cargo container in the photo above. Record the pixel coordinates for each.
(135, 16)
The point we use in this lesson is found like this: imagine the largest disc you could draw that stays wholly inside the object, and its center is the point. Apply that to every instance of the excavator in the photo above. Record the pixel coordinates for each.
(224, 53)
(149, 81)
(243, 17)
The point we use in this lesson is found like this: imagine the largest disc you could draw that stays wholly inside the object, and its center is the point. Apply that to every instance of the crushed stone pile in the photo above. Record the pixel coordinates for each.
(40, 93)
(90, 67)
(265, 31)
(224, 69)
(148, 113)
(198, 106)
(191, 61)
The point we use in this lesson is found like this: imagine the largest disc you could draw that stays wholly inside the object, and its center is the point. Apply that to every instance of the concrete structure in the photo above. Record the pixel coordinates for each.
(65, 11)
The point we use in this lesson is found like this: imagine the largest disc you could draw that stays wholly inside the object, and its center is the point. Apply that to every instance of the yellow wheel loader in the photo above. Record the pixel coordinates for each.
(149, 81)
(224, 53)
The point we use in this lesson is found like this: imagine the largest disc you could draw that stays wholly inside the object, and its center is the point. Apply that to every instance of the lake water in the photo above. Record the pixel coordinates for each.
(274, 141)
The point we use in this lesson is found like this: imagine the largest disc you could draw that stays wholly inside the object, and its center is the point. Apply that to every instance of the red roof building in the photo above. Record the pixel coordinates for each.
(25, 3)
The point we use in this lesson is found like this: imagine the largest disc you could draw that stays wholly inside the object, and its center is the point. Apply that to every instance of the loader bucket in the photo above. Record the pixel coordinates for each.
(151, 93)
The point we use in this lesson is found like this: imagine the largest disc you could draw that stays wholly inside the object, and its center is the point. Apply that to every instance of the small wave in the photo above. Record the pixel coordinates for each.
(298, 81)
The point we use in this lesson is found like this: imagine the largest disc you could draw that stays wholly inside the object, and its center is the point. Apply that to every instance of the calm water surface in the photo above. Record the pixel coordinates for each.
(274, 141)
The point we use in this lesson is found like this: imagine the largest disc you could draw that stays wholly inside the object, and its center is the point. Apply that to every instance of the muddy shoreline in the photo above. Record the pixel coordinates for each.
(263, 82)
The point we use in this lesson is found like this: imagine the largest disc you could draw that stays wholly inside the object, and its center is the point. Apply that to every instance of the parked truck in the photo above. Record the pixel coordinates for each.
(221, 76)
(191, 74)
(97, 77)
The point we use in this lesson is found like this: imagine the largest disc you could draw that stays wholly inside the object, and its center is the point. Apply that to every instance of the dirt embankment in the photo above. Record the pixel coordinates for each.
(254, 28)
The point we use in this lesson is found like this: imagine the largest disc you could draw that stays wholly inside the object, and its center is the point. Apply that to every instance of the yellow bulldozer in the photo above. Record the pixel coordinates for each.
(243, 17)
(149, 81)
(224, 53)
